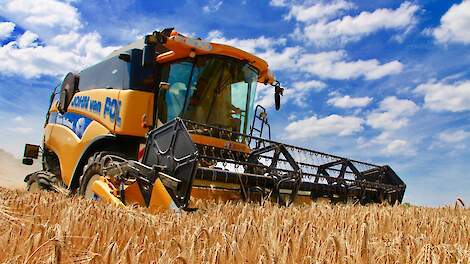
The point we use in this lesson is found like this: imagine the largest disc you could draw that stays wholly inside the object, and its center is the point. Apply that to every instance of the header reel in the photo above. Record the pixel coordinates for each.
(216, 158)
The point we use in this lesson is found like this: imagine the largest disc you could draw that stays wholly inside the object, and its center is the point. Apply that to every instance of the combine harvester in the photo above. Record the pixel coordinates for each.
(172, 117)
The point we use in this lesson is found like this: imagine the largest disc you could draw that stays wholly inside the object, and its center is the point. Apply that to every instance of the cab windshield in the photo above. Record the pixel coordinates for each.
(213, 90)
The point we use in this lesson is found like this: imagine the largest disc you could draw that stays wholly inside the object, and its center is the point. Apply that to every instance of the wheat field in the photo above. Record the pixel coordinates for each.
(53, 228)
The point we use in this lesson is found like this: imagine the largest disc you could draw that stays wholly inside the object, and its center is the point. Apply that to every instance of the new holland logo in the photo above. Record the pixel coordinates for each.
(111, 109)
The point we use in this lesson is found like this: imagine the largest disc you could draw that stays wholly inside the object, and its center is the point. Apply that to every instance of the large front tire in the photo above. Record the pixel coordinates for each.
(90, 176)
(92, 172)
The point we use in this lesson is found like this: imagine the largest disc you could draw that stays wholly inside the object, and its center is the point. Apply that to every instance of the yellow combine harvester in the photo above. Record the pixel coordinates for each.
(172, 117)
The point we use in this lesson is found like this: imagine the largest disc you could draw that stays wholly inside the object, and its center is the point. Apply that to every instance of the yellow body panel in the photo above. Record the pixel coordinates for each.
(215, 185)
(215, 194)
(121, 111)
(101, 188)
(133, 195)
(111, 111)
(134, 106)
(161, 199)
(69, 147)
(206, 193)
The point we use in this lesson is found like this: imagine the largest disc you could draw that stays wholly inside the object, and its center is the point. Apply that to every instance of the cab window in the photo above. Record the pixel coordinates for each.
(171, 102)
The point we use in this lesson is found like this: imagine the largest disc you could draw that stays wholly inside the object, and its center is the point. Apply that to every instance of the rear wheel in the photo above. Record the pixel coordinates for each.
(42, 181)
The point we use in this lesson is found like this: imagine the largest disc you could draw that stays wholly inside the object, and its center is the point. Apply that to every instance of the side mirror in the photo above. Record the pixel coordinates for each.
(68, 89)
(278, 91)
(30, 152)
(62, 107)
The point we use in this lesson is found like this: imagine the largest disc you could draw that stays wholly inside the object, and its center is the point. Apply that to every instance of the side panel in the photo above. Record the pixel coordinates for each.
(134, 106)
(121, 111)
(69, 146)
(91, 114)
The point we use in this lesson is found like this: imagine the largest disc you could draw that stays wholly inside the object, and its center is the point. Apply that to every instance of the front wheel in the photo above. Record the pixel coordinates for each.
(90, 176)
(93, 171)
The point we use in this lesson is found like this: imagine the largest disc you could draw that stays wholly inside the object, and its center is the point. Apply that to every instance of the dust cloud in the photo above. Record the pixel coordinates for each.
(12, 171)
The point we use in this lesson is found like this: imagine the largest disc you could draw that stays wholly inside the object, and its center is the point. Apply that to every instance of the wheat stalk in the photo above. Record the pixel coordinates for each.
(48, 227)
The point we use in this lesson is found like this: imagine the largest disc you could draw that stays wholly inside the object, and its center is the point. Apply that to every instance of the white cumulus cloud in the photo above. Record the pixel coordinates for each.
(52, 43)
(389, 145)
(212, 6)
(453, 136)
(392, 114)
(26, 57)
(285, 59)
(265, 96)
(352, 28)
(329, 125)
(6, 28)
(45, 17)
(309, 85)
(300, 91)
(398, 147)
(278, 3)
(442, 96)
(27, 39)
(451, 139)
(334, 65)
(455, 24)
(252, 45)
(317, 11)
(348, 101)
(66, 40)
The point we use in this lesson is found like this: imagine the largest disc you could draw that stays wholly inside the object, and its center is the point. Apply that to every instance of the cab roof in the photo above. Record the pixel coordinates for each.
(179, 46)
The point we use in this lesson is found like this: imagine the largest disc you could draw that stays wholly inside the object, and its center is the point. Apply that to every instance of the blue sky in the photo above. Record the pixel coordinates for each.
(382, 81)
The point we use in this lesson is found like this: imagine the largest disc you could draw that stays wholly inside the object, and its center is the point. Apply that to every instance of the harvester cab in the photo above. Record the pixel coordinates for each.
(171, 117)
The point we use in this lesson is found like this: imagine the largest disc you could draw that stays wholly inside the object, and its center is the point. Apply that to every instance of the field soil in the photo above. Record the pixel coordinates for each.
(55, 228)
